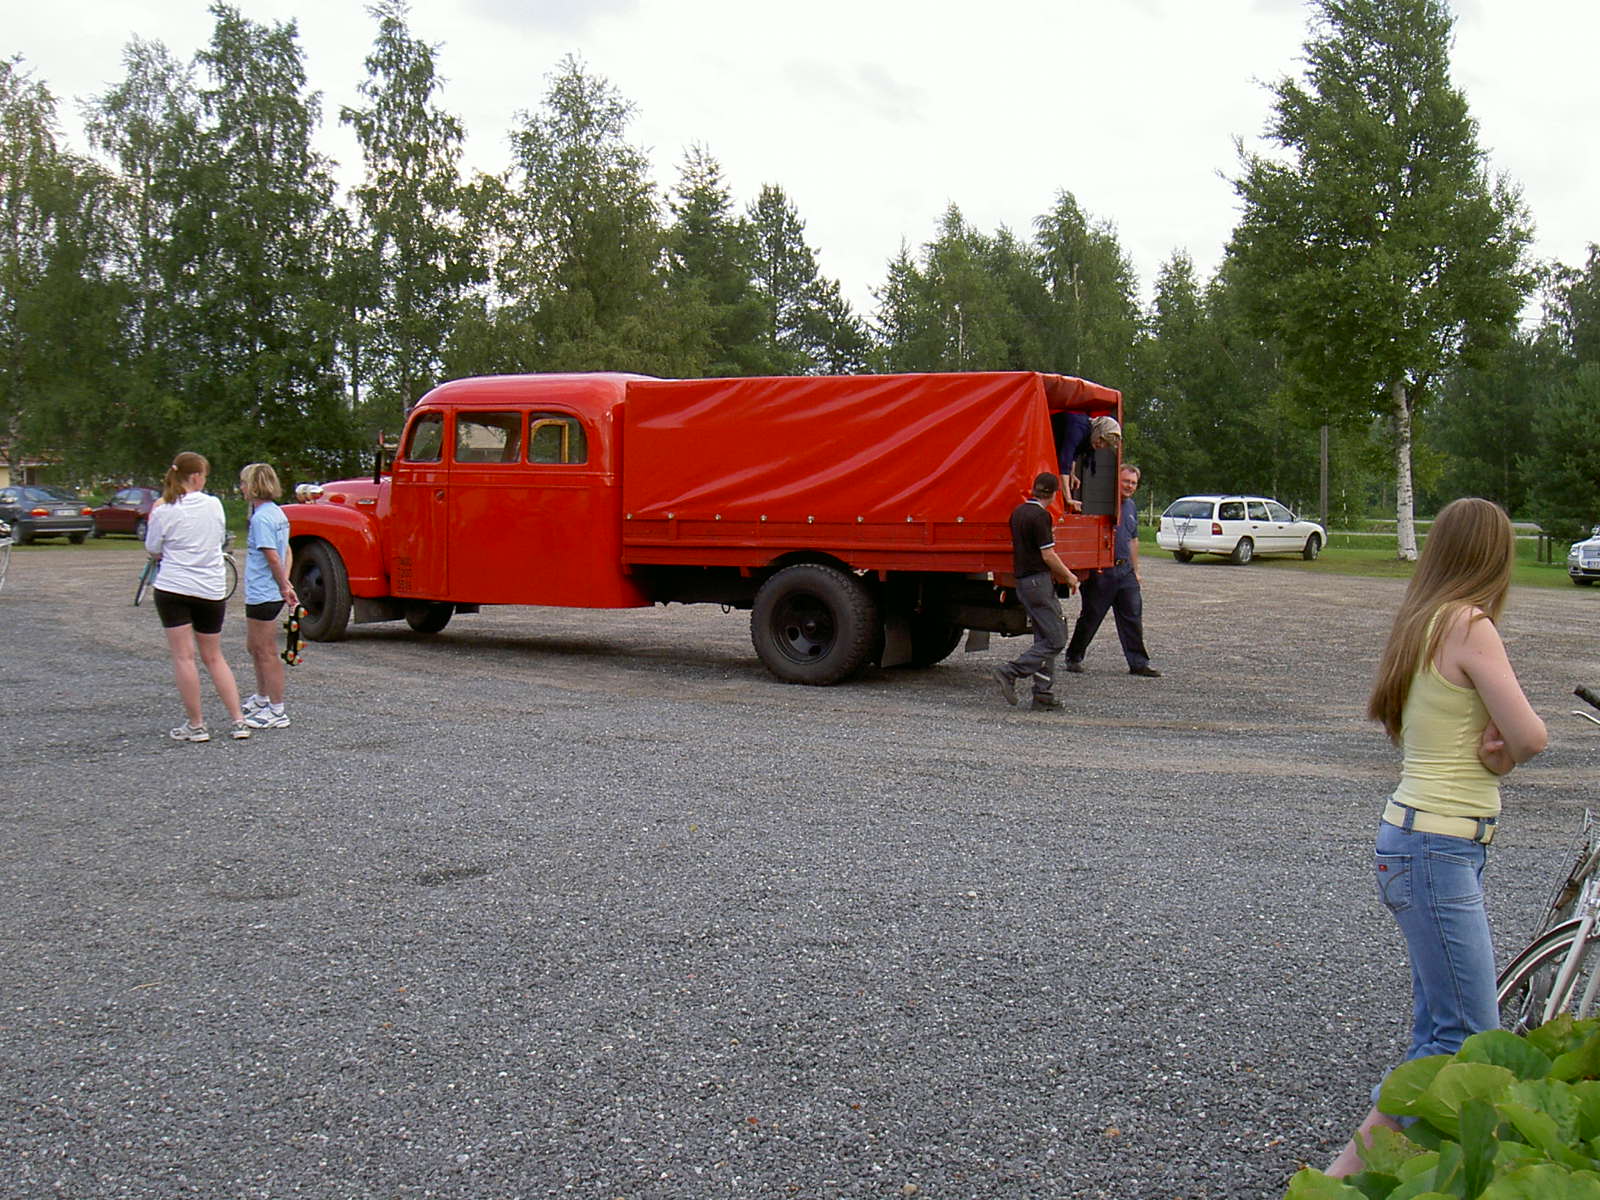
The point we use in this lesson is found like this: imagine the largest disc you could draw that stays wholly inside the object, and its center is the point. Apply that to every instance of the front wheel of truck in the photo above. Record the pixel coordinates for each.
(814, 624)
(323, 586)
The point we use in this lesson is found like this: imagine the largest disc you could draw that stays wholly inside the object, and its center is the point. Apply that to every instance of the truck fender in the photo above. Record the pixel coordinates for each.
(351, 534)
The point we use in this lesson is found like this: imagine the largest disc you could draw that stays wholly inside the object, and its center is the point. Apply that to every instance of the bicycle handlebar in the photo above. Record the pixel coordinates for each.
(1587, 694)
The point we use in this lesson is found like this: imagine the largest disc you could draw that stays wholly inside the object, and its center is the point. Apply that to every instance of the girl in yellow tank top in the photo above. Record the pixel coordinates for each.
(1447, 694)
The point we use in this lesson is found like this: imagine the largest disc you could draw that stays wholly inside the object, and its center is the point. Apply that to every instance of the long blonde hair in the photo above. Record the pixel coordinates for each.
(184, 465)
(1466, 564)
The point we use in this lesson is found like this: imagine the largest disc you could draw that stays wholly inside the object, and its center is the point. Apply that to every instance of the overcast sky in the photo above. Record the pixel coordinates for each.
(873, 115)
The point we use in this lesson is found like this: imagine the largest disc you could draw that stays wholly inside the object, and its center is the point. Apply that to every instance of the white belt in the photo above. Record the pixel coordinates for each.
(1474, 829)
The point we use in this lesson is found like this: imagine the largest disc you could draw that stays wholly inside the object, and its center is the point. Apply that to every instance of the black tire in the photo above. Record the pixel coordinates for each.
(22, 537)
(231, 569)
(1243, 552)
(932, 640)
(323, 586)
(1183, 555)
(1525, 985)
(814, 624)
(1313, 548)
(77, 539)
(1582, 581)
(427, 616)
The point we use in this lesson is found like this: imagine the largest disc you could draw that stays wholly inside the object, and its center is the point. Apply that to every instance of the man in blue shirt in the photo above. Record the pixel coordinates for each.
(1116, 589)
(1037, 568)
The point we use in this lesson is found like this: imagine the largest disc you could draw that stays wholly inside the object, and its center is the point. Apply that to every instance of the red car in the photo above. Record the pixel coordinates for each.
(128, 512)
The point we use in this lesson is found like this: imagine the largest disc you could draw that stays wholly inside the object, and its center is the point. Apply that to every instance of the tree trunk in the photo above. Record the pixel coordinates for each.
(1405, 526)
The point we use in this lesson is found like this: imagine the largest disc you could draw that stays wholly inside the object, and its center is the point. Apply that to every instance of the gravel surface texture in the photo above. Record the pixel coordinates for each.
(564, 903)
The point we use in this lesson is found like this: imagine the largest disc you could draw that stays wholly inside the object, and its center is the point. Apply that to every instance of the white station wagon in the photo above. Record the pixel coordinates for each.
(1583, 560)
(1236, 527)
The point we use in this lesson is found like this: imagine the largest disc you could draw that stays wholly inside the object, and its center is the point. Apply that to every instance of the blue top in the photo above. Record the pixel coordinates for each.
(1127, 531)
(268, 528)
(1071, 431)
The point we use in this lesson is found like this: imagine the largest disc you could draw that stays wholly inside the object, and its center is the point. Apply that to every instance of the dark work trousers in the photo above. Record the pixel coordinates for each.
(1038, 596)
(1114, 589)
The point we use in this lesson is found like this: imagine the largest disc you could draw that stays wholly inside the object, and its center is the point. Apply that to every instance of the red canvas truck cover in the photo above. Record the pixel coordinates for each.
(893, 472)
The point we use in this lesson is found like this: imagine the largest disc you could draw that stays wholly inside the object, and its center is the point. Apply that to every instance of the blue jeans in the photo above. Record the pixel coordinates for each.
(1433, 885)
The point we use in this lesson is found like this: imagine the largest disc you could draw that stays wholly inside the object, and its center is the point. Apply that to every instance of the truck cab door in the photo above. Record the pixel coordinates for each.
(418, 492)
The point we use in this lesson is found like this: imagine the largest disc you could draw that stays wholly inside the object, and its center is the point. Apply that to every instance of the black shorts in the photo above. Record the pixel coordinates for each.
(176, 611)
(268, 610)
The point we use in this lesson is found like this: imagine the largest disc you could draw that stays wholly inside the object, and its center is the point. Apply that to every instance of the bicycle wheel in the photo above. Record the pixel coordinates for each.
(1526, 984)
(233, 575)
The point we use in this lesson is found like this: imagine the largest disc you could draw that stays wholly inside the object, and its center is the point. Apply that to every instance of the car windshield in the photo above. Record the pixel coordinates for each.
(1188, 508)
(54, 493)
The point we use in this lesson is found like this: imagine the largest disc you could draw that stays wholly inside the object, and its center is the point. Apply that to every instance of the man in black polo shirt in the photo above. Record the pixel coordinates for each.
(1038, 568)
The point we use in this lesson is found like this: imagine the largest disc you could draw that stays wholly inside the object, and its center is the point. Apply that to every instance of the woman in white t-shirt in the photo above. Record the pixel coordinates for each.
(186, 533)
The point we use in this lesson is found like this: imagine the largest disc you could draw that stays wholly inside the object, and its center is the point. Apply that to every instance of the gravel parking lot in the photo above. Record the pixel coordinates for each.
(585, 903)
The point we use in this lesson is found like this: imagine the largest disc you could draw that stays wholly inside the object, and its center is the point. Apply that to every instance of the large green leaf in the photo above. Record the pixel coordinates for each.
(1456, 1084)
(1389, 1151)
(1580, 1062)
(1544, 1182)
(1307, 1184)
(1503, 1049)
(1407, 1083)
(1543, 1130)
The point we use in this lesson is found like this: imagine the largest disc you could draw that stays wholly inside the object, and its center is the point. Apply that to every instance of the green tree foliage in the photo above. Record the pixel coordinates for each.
(60, 310)
(710, 265)
(1094, 310)
(961, 307)
(1376, 251)
(148, 125)
(808, 327)
(253, 233)
(1482, 427)
(1564, 479)
(581, 267)
(1577, 309)
(412, 259)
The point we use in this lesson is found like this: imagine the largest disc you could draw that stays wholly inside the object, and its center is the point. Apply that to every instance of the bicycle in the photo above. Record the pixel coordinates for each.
(1555, 973)
(5, 551)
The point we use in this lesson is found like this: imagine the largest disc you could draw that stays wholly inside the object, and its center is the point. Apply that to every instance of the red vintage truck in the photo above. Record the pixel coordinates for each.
(860, 519)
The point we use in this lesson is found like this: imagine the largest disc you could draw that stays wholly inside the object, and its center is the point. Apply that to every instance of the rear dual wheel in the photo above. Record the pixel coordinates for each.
(814, 624)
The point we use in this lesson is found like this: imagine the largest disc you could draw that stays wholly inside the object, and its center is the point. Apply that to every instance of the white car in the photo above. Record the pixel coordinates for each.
(1583, 560)
(1236, 527)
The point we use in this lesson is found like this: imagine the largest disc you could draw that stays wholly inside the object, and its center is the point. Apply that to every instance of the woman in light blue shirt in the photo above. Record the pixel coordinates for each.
(266, 590)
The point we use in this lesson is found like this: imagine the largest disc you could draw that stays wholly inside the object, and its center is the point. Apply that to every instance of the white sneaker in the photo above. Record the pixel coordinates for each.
(240, 731)
(190, 733)
(267, 718)
(254, 702)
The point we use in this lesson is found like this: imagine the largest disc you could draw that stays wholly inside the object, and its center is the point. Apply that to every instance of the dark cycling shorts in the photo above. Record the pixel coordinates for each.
(176, 611)
(267, 610)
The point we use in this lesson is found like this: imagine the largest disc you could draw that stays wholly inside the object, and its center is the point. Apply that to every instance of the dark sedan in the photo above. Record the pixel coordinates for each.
(126, 512)
(35, 512)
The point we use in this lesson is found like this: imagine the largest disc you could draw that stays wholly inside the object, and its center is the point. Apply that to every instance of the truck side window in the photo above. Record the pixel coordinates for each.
(494, 437)
(556, 438)
(425, 442)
